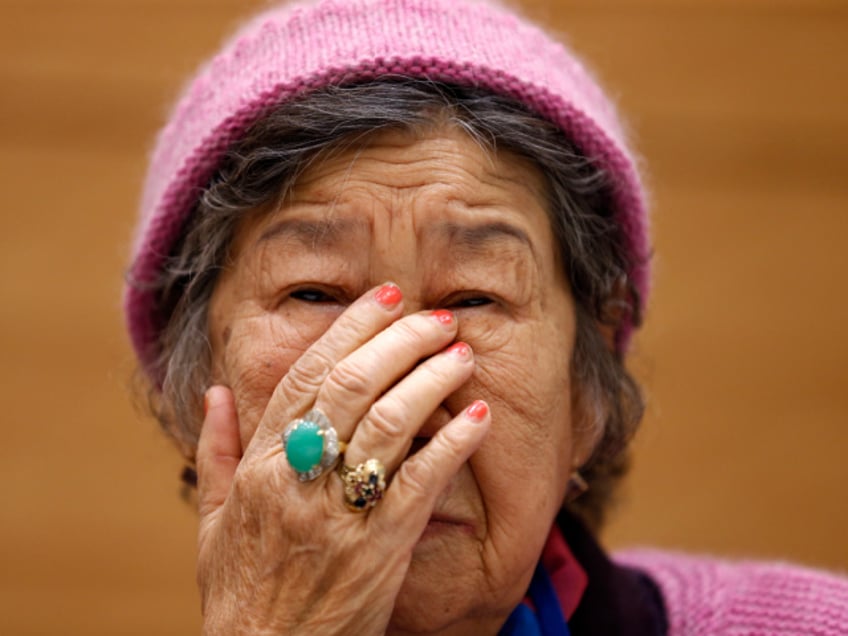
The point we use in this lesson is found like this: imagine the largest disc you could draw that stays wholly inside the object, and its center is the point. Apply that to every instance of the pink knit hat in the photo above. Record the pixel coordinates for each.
(288, 51)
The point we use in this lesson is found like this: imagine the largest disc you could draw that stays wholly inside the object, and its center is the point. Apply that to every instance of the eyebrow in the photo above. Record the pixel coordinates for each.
(484, 235)
(326, 233)
(314, 234)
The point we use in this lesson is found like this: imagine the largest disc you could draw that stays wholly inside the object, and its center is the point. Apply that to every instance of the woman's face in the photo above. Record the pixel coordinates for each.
(453, 227)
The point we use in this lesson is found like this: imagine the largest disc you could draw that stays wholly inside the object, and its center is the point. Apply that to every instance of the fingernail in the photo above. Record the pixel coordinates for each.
(444, 316)
(206, 403)
(477, 411)
(388, 295)
(460, 350)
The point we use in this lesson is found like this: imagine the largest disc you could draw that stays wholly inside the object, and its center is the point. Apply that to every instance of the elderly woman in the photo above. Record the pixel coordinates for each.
(390, 257)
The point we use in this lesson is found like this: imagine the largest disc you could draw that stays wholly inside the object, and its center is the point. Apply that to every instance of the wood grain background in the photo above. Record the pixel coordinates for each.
(740, 109)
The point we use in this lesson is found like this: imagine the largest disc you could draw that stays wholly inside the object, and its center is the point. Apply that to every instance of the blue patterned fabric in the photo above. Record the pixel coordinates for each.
(547, 620)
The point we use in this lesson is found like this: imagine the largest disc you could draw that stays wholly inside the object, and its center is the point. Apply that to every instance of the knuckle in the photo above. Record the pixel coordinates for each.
(298, 382)
(449, 445)
(415, 476)
(385, 417)
(438, 373)
(348, 379)
(308, 373)
(317, 363)
(350, 327)
(407, 331)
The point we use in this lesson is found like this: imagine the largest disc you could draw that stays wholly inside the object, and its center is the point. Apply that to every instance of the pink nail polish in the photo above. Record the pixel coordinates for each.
(388, 295)
(444, 316)
(460, 350)
(477, 411)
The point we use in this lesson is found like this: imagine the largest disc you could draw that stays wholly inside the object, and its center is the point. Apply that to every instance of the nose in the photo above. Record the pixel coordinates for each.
(413, 297)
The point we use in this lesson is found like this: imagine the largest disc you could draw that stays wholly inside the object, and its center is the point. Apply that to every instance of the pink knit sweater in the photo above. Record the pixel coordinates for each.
(710, 597)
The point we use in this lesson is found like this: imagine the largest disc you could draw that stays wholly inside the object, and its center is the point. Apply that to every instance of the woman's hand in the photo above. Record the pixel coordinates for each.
(277, 555)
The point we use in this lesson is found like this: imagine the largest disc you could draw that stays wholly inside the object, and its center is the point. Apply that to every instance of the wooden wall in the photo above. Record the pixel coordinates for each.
(740, 109)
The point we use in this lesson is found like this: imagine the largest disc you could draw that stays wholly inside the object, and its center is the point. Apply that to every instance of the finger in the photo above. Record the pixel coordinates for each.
(409, 499)
(296, 392)
(218, 450)
(387, 429)
(363, 376)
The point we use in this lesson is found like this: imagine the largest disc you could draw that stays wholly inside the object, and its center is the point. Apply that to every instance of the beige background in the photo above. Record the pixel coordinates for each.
(740, 109)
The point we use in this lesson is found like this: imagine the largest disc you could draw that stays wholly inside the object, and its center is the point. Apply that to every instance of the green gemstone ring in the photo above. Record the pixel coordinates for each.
(311, 445)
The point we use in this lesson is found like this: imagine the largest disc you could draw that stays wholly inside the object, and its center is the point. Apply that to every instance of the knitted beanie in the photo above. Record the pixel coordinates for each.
(288, 51)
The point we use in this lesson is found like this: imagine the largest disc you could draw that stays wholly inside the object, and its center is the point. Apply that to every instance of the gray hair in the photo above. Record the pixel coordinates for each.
(264, 164)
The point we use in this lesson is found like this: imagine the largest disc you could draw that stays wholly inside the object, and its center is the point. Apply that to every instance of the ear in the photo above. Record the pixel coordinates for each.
(587, 431)
(616, 308)
(608, 331)
(584, 442)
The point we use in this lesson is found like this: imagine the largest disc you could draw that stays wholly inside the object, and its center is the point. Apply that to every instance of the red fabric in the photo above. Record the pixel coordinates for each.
(567, 575)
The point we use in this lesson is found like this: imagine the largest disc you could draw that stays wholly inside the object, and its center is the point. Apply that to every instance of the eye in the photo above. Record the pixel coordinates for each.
(311, 295)
(470, 301)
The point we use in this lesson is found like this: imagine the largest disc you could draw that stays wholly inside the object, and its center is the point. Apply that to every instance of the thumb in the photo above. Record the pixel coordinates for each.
(218, 450)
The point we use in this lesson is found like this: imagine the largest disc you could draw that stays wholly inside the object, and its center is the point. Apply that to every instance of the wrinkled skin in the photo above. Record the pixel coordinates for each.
(295, 321)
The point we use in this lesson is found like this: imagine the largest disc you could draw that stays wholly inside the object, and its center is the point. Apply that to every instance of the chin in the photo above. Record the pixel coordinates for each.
(421, 609)
(444, 592)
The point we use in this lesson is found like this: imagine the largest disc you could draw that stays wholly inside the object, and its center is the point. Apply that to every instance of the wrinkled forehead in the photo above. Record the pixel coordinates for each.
(437, 183)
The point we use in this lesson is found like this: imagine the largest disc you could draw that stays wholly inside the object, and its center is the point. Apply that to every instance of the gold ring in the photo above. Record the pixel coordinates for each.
(364, 484)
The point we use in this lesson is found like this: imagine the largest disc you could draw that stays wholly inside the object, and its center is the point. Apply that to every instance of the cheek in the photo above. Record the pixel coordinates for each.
(531, 402)
(521, 471)
(259, 353)
(522, 365)
(523, 467)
